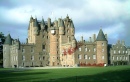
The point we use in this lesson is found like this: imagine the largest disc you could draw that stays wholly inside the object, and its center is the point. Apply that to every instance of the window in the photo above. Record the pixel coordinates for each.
(123, 52)
(102, 44)
(32, 50)
(44, 57)
(113, 57)
(85, 57)
(79, 56)
(114, 51)
(32, 57)
(119, 51)
(117, 58)
(39, 58)
(23, 50)
(102, 57)
(94, 49)
(89, 50)
(120, 58)
(79, 49)
(85, 49)
(94, 56)
(126, 58)
(102, 50)
(23, 57)
(89, 58)
(43, 47)
(126, 52)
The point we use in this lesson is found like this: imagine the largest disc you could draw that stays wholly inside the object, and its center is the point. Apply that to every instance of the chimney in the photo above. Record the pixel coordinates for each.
(49, 22)
(26, 40)
(93, 37)
(123, 42)
(82, 38)
(90, 39)
(118, 42)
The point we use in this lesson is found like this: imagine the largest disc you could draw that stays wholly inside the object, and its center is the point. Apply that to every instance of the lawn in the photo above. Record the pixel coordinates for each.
(95, 74)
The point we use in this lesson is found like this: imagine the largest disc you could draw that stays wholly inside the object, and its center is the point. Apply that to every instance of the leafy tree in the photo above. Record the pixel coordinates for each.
(2, 39)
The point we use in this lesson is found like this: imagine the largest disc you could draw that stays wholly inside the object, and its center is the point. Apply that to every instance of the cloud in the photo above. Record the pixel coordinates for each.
(88, 16)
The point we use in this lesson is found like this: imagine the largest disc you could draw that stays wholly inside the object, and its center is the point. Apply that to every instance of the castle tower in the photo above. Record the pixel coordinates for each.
(6, 51)
(42, 24)
(53, 45)
(101, 41)
(33, 30)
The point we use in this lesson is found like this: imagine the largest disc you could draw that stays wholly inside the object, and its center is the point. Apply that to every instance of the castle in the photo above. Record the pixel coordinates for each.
(54, 44)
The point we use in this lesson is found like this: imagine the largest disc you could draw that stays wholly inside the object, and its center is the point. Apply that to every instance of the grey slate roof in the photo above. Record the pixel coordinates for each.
(8, 40)
(72, 25)
(101, 36)
(42, 22)
(35, 24)
(61, 23)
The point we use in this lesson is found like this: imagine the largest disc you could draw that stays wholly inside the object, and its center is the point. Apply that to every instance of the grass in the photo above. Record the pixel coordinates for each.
(94, 74)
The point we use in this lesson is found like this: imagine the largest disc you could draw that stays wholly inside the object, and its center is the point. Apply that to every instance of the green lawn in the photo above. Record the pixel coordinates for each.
(95, 74)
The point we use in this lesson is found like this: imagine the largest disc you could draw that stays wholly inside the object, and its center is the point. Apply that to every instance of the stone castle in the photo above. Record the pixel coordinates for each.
(54, 44)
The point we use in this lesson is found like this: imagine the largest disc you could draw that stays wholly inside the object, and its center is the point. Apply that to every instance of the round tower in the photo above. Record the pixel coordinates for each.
(42, 24)
(61, 26)
(53, 47)
(102, 55)
(6, 52)
(72, 28)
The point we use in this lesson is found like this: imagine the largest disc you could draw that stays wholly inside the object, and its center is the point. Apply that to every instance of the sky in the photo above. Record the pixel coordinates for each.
(89, 16)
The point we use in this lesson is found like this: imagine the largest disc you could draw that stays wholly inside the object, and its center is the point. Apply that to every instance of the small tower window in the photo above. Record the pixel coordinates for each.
(43, 47)
(102, 44)
(102, 57)
(85, 56)
(23, 58)
(94, 56)
(119, 51)
(113, 57)
(114, 51)
(94, 49)
(32, 57)
(85, 49)
(79, 56)
(79, 49)
(102, 50)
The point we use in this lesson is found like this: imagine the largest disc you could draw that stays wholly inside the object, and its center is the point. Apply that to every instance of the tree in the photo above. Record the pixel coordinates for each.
(2, 39)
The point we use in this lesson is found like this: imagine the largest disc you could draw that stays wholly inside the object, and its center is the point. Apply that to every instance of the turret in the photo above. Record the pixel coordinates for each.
(61, 26)
(72, 28)
(56, 23)
(8, 40)
(49, 22)
(73, 42)
(6, 50)
(42, 24)
(35, 25)
(102, 56)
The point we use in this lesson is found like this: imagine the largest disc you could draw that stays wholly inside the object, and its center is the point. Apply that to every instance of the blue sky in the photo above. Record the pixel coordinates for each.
(113, 16)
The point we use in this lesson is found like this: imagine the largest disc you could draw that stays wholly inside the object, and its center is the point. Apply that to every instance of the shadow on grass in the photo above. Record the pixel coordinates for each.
(17, 75)
(112, 76)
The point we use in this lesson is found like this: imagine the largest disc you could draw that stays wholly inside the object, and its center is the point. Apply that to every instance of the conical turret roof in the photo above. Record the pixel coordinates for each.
(8, 40)
(72, 25)
(42, 22)
(35, 23)
(61, 23)
(101, 36)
